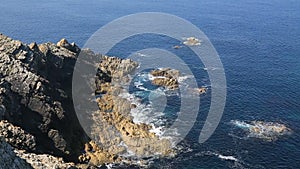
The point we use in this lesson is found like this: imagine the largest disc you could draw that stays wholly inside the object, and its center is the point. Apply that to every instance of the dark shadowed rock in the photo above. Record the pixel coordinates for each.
(35, 94)
(9, 159)
(16, 136)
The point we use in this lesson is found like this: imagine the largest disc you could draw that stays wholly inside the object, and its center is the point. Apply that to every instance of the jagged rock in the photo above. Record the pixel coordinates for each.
(33, 46)
(166, 77)
(117, 68)
(269, 131)
(113, 126)
(35, 92)
(16, 136)
(65, 44)
(96, 155)
(2, 111)
(9, 159)
(44, 161)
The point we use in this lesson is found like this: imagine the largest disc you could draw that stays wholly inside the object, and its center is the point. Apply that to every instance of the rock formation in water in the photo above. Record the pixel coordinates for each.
(38, 119)
(113, 125)
(269, 131)
(166, 77)
(192, 41)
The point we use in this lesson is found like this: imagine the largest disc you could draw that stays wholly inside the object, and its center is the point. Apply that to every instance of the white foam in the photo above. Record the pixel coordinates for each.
(157, 130)
(141, 54)
(109, 166)
(183, 78)
(151, 77)
(211, 68)
(224, 157)
(241, 124)
(227, 157)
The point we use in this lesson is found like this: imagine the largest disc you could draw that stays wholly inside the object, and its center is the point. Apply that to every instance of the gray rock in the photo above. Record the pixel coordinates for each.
(35, 92)
(16, 136)
(2, 111)
(9, 159)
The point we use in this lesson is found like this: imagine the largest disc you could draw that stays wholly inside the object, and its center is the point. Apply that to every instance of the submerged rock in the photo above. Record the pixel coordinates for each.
(269, 131)
(177, 47)
(192, 41)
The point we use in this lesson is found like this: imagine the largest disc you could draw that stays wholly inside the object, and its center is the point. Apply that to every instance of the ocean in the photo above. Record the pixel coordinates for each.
(258, 44)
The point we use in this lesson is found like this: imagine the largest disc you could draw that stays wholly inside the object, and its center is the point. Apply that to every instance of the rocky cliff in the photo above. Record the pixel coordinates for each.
(38, 119)
(35, 94)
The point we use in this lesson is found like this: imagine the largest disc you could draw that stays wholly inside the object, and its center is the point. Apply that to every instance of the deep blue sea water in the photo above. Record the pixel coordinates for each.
(257, 41)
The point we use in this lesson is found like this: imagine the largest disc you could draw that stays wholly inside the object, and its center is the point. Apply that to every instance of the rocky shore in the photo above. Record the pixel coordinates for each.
(38, 124)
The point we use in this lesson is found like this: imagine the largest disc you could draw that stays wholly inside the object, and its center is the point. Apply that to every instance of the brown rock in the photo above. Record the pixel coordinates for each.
(202, 90)
(166, 77)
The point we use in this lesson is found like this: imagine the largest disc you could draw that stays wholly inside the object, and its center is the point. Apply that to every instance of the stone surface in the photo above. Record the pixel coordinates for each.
(9, 159)
(35, 95)
(113, 128)
(16, 136)
(44, 161)
(268, 131)
(166, 77)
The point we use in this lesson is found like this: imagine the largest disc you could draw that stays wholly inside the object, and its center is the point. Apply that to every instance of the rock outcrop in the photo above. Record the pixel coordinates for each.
(269, 131)
(16, 136)
(41, 161)
(166, 77)
(113, 130)
(35, 95)
(38, 118)
(9, 159)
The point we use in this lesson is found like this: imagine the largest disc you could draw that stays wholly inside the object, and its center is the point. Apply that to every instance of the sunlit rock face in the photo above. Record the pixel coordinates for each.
(116, 136)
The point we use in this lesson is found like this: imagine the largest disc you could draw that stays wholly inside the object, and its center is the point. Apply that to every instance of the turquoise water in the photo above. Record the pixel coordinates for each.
(258, 43)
